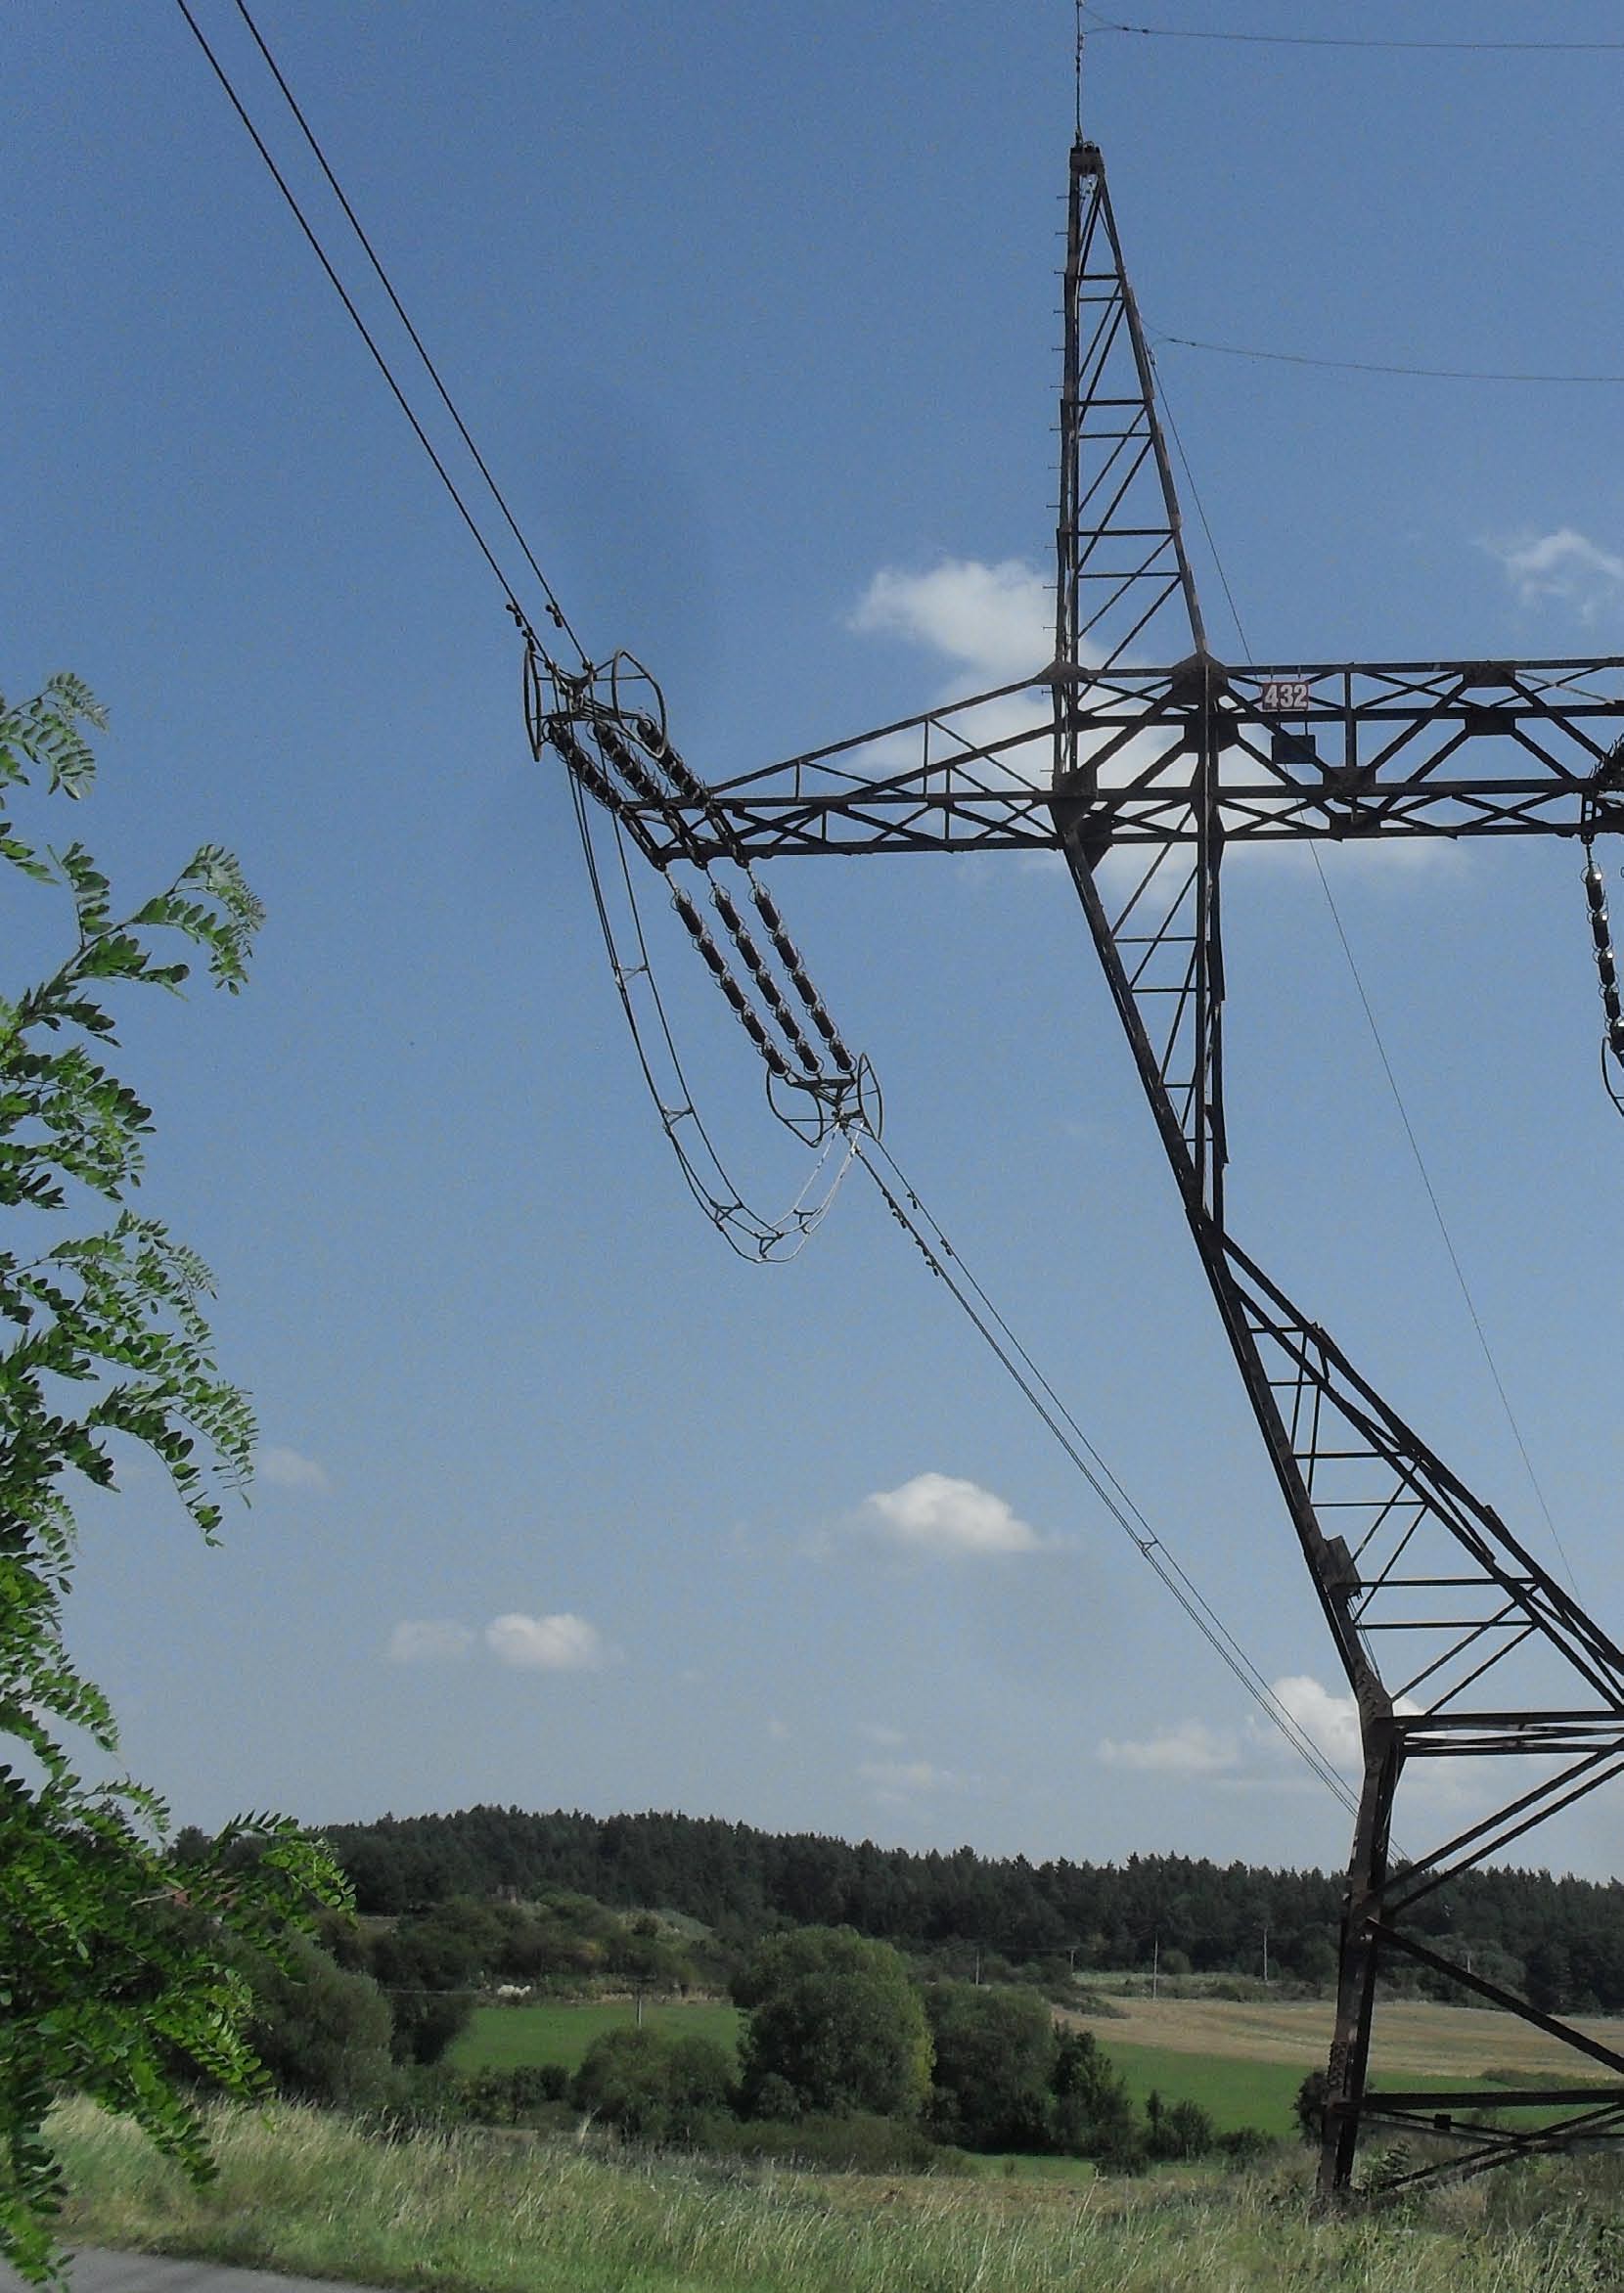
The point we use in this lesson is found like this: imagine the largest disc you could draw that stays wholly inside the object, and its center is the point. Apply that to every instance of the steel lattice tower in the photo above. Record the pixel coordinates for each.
(1450, 1632)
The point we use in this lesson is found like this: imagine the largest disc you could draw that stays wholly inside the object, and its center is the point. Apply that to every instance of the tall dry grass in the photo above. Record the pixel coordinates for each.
(479, 2212)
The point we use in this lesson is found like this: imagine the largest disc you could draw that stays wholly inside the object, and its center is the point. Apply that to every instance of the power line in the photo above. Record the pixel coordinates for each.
(995, 1331)
(554, 610)
(361, 328)
(1372, 366)
(1165, 32)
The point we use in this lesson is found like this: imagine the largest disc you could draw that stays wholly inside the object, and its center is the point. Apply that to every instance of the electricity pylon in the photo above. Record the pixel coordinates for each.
(1456, 1642)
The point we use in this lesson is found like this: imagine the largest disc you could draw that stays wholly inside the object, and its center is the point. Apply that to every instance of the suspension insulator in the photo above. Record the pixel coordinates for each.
(580, 764)
(1615, 1040)
(736, 996)
(1594, 883)
(658, 746)
(765, 909)
(1607, 966)
(629, 765)
(702, 938)
(831, 1034)
(1600, 928)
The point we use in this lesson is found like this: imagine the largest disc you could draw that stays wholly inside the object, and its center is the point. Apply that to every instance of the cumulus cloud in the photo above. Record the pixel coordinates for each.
(1188, 1748)
(546, 1643)
(434, 1639)
(939, 1514)
(1565, 566)
(995, 620)
(286, 1468)
(1329, 1721)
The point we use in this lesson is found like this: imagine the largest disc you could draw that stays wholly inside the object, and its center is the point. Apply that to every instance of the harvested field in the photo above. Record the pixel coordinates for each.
(1412, 2040)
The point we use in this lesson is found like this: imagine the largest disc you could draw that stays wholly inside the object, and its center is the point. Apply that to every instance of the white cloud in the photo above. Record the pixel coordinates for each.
(1564, 565)
(1188, 1748)
(286, 1468)
(546, 1643)
(778, 1731)
(997, 620)
(431, 1640)
(1329, 1721)
(888, 1738)
(937, 1514)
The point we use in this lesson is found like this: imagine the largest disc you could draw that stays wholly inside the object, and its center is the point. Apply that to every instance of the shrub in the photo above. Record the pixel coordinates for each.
(652, 2087)
(839, 2020)
(995, 2058)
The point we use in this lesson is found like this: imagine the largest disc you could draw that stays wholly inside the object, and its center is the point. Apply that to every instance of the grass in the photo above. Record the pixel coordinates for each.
(1232, 2091)
(469, 2213)
(512, 2038)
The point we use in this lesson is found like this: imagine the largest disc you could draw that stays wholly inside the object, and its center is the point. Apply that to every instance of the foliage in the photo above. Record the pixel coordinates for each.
(513, 2097)
(321, 2033)
(1177, 2129)
(1054, 1918)
(504, 2038)
(836, 2025)
(112, 1969)
(1092, 2115)
(652, 2087)
(1309, 2107)
(995, 2053)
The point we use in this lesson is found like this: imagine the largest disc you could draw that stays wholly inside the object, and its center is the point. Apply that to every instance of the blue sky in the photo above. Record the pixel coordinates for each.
(753, 310)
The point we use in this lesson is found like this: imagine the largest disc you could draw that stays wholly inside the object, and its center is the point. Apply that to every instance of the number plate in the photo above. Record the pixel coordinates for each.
(1285, 697)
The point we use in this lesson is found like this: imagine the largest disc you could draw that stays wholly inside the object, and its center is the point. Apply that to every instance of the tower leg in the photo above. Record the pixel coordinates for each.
(1350, 2046)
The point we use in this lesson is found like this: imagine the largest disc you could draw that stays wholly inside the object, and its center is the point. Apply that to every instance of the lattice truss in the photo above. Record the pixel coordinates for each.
(1458, 1644)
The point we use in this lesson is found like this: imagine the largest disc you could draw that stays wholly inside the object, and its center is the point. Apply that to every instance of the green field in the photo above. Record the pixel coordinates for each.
(510, 2038)
(1232, 2091)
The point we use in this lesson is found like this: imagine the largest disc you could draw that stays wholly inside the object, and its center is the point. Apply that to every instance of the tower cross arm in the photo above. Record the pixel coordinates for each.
(1338, 751)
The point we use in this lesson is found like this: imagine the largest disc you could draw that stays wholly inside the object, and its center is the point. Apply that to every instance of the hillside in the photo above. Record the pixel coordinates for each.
(1563, 1939)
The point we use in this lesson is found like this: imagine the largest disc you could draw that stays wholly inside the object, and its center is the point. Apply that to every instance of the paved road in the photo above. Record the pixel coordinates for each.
(150, 2272)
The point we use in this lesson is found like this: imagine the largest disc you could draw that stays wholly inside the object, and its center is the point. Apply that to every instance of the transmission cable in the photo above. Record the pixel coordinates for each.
(1372, 366)
(1386, 1064)
(554, 610)
(859, 1137)
(361, 328)
(940, 1256)
(1167, 31)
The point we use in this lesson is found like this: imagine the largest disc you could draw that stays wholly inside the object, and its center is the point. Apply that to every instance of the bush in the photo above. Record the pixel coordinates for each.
(652, 2087)
(1093, 2114)
(995, 2057)
(1177, 2129)
(322, 2034)
(1309, 2107)
(838, 2020)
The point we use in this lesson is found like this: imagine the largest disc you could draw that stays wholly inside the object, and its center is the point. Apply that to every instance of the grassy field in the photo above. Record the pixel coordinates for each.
(1412, 2042)
(1243, 2062)
(472, 2213)
(510, 2038)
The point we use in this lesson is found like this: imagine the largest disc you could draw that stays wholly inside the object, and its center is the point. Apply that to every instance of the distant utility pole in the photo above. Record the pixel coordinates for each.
(1156, 1963)
(1265, 1951)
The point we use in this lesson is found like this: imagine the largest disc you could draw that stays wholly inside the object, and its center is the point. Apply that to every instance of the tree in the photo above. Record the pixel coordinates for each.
(1093, 2117)
(995, 2058)
(836, 2022)
(655, 2087)
(320, 2034)
(113, 1960)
